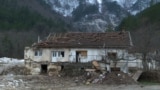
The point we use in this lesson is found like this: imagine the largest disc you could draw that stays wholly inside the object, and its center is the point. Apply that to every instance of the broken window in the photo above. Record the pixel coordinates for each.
(112, 55)
(83, 53)
(62, 53)
(58, 53)
(38, 53)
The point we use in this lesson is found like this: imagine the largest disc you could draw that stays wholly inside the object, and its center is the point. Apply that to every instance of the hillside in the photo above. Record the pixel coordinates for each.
(145, 29)
(149, 16)
(98, 15)
(22, 21)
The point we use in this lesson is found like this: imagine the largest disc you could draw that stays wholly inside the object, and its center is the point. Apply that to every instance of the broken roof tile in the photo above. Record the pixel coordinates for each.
(86, 40)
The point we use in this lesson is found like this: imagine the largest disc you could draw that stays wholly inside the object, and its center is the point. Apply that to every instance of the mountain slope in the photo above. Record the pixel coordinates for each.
(145, 30)
(98, 15)
(149, 16)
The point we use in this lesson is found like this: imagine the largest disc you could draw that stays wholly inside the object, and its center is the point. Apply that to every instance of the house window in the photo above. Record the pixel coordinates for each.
(112, 55)
(54, 54)
(83, 53)
(58, 53)
(38, 53)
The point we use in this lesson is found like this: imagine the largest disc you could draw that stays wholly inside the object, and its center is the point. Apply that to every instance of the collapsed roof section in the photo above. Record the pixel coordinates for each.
(86, 40)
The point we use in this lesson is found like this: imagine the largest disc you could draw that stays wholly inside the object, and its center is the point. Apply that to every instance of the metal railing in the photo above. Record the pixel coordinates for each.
(89, 58)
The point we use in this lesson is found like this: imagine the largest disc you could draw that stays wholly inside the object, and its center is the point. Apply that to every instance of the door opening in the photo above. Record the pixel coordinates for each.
(80, 55)
(77, 56)
(44, 68)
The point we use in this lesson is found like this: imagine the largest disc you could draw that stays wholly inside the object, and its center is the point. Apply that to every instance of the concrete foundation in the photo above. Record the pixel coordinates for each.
(43, 68)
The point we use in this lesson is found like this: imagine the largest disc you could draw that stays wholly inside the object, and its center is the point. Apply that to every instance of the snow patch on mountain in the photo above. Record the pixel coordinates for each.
(126, 3)
(64, 7)
(91, 1)
(134, 12)
(100, 5)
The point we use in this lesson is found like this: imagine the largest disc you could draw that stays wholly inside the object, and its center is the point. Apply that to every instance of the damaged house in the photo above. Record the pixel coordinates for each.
(76, 48)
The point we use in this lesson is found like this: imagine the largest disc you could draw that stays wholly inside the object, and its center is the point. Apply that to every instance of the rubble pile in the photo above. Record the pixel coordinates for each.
(16, 70)
(118, 78)
(99, 75)
(74, 70)
(8, 81)
(111, 78)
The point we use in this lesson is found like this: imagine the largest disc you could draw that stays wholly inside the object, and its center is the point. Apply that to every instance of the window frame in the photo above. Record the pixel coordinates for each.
(38, 53)
(112, 55)
(54, 53)
(58, 54)
(83, 54)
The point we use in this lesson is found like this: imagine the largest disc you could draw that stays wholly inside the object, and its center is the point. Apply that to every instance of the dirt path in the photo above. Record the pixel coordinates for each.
(14, 81)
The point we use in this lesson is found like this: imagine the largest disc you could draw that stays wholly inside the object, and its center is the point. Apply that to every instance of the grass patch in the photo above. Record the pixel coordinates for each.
(149, 83)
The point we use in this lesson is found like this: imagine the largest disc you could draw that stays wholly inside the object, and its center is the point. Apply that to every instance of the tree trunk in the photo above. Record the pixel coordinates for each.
(145, 62)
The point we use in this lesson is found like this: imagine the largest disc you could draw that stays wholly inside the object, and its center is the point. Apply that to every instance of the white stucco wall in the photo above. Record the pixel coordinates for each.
(70, 54)
(92, 54)
(45, 55)
(29, 54)
(95, 54)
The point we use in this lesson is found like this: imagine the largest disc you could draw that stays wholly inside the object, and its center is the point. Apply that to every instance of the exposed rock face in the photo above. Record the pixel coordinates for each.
(98, 15)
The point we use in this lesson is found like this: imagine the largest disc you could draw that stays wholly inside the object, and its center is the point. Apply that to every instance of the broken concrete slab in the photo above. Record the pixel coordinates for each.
(137, 75)
(96, 65)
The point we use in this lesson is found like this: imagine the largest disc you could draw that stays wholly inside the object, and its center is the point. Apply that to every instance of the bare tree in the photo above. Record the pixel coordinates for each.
(145, 43)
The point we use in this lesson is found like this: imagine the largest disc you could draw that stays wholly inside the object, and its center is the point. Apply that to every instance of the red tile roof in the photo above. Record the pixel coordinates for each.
(86, 40)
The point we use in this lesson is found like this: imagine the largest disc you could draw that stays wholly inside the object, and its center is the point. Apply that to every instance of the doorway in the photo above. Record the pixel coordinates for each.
(44, 68)
(77, 56)
(81, 55)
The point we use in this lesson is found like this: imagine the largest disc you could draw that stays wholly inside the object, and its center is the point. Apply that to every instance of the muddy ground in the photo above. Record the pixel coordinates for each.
(18, 78)
(41, 82)
(45, 82)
